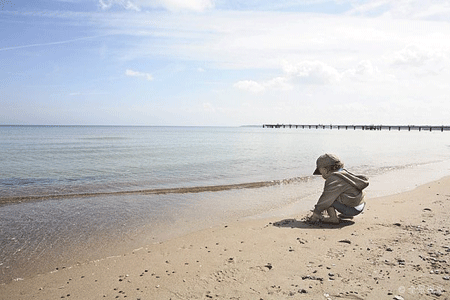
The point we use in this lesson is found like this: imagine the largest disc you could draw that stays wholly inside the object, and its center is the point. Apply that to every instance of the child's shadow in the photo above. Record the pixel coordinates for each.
(293, 223)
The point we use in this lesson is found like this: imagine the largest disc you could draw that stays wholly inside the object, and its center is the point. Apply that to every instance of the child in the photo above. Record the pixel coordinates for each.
(343, 191)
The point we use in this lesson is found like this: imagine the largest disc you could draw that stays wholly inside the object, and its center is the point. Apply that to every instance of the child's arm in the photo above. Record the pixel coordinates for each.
(334, 187)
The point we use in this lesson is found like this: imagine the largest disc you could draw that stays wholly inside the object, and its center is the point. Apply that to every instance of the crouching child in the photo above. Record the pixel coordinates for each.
(343, 191)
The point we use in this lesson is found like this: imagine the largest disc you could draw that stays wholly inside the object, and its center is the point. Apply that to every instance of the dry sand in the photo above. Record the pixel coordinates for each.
(398, 249)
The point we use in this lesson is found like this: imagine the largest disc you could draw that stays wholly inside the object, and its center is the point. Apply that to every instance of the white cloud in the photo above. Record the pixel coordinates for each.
(421, 62)
(174, 5)
(439, 11)
(306, 72)
(249, 40)
(131, 6)
(132, 73)
(412, 9)
(365, 67)
(313, 72)
(362, 71)
(278, 83)
(171, 5)
(413, 55)
(127, 4)
(250, 85)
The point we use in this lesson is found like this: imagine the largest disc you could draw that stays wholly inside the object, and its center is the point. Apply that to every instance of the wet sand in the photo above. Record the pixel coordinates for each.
(398, 249)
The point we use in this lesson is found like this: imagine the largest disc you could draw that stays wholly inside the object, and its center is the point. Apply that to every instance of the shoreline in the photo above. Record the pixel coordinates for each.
(154, 191)
(399, 247)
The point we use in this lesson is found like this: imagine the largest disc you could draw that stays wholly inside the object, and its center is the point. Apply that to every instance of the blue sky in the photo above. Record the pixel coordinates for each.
(206, 62)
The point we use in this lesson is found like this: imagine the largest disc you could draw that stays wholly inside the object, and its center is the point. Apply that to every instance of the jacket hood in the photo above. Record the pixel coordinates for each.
(358, 181)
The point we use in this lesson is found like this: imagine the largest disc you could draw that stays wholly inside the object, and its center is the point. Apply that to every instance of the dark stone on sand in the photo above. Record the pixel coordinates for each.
(345, 241)
(312, 278)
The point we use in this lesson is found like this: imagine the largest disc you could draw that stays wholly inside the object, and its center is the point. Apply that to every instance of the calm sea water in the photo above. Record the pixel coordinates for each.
(75, 193)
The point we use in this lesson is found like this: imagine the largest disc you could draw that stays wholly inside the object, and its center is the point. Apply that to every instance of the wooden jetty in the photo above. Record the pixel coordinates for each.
(363, 127)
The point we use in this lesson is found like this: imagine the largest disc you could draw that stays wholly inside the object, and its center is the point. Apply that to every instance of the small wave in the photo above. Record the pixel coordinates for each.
(372, 171)
(25, 181)
(8, 182)
(105, 138)
(180, 190)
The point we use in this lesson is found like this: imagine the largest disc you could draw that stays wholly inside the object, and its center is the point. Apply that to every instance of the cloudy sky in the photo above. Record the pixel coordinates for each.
(224, 62)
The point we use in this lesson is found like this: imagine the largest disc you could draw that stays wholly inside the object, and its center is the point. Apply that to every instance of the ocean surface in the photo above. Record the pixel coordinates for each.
(70, 194)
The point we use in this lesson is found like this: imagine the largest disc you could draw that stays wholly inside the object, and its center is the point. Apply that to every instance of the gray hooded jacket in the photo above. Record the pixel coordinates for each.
(342, 186)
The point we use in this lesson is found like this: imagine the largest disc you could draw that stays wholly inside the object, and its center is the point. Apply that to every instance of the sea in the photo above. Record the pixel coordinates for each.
(73, 194)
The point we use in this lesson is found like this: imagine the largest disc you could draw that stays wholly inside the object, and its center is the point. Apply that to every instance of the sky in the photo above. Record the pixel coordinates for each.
(224, 62)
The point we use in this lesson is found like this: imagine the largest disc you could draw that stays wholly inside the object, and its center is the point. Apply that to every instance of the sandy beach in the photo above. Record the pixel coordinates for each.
(397, 249)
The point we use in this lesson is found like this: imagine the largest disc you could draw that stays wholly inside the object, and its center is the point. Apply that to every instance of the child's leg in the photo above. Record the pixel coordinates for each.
(345, 210)
(331, 212)
(333, 218)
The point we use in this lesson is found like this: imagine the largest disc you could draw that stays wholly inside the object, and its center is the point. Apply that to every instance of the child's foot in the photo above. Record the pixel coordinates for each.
(314, 218)
(331, 220)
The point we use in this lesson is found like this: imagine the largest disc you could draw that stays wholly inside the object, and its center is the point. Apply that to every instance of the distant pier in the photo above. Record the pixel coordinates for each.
(363, 127)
